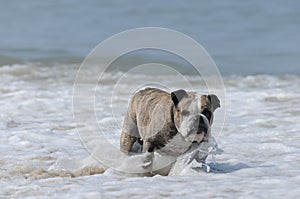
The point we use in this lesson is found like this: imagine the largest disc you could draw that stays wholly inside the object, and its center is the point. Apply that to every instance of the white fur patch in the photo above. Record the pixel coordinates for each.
(189, 123)
(198, 99)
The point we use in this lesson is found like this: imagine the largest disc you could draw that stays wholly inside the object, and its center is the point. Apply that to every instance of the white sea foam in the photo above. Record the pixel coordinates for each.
(41, 154)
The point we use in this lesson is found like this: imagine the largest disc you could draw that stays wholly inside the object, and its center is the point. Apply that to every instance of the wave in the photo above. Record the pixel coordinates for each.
(62, 70)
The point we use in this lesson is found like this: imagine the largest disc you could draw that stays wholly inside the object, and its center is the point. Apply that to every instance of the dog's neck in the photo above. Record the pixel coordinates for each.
(172, 111)
(172, 126)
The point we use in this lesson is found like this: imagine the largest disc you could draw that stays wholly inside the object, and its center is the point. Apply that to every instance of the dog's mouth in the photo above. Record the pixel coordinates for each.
(199, 130)
(198, 137)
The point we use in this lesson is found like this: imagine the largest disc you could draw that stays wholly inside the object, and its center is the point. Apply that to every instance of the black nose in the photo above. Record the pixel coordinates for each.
(207, 113)
(202, 127)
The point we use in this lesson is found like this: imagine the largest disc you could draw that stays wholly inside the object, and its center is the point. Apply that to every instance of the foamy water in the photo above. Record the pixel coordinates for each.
(42, 156)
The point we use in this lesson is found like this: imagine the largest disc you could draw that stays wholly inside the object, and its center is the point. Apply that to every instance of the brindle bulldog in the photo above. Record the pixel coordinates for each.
(166, 123)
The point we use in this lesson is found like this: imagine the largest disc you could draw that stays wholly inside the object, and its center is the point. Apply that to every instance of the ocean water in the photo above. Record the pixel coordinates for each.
(42, 43)
(242, 37)
(42, 155)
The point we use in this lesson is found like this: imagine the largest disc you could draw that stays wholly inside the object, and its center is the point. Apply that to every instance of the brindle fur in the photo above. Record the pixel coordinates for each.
(150, 107)
(138, 118)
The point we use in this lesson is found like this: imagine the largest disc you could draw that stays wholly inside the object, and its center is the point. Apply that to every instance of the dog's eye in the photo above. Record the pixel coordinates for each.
(185, 113)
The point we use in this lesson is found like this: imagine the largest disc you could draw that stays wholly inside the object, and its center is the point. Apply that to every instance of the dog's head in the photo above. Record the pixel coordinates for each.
(193, 114)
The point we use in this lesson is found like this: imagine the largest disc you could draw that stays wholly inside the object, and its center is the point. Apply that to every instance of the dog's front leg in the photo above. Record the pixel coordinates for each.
(148, 161)
(148, 156)
(126, 142)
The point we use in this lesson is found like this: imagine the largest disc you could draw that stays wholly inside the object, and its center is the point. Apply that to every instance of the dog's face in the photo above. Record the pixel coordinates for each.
(193, 114)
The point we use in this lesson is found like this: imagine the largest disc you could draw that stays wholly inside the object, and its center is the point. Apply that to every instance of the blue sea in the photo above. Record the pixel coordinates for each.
(253, 37)
(46, 98)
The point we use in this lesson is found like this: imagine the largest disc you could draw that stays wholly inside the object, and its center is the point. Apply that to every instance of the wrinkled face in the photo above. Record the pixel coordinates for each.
(192, 116)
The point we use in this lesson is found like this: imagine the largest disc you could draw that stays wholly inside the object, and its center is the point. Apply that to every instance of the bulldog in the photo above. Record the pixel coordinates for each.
(166, 123)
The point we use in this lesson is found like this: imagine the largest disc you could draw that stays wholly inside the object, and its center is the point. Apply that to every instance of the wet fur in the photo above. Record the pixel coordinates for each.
(152, 117)
(137, 123)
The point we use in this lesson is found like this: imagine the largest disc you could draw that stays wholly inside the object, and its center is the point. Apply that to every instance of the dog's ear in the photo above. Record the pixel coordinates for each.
(178, 95)
(214, 101)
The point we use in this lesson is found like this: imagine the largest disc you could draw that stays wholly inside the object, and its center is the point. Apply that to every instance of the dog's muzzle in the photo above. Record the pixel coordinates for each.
(201, 133)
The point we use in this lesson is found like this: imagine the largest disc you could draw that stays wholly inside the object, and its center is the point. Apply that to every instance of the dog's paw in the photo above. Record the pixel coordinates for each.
(147, 160)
